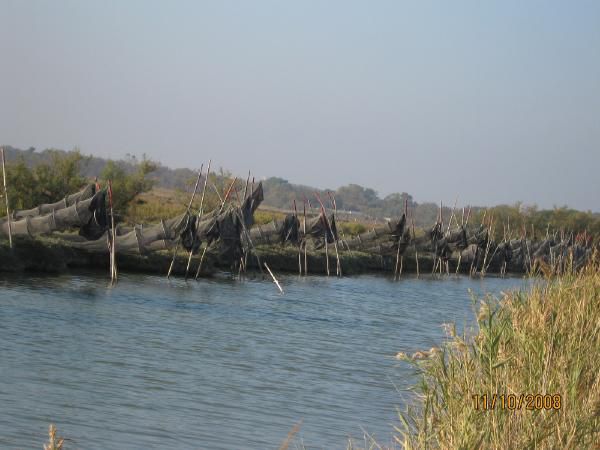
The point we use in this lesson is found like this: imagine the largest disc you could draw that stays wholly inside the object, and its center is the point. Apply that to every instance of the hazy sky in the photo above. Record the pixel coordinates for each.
(493, 102)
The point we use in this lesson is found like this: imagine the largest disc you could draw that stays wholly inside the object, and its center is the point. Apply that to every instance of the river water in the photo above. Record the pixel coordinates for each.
(215, 364)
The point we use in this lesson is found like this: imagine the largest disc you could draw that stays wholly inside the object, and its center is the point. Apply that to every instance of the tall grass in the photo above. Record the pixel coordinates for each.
(54, 442)
(545, 341)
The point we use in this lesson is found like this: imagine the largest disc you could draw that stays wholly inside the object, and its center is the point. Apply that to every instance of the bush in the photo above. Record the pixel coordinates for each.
(46, 182)
(126, 186)
(352, 228)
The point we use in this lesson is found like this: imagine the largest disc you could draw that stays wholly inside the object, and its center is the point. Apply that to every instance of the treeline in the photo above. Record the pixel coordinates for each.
(60, 173)
(44, 177)
(513, 221)
(93, 166)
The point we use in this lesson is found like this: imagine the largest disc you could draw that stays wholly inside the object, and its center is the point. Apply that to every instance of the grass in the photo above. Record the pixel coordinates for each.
(54, 442)
(546, 341)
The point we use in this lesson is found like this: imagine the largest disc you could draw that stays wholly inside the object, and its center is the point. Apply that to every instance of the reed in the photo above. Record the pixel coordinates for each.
(54, 442)
(543, 341)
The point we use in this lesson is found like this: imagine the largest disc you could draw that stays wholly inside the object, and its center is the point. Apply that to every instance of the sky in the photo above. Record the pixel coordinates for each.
(490, 102)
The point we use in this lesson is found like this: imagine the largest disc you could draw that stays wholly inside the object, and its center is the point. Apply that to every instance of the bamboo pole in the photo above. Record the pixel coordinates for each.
(299, 251)
(396, 274)
(246, 186)
(397, 261)
(6, 199)
(200, 263)
(187, 211)
(217, 192)
(341, 230)
(247, 233)
(328, 225)
(452, 215)
(200, 213)
(487, 247)
(113, 234)
(274, 279)
(337, 256)
(305, 240)
(223, 200)
(326, 252)
(415, 244)
(245, 257)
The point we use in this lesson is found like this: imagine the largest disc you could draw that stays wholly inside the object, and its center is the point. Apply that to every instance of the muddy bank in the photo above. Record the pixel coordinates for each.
(52, 255)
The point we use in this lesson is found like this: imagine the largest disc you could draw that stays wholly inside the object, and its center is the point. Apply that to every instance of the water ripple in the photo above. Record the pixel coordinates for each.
(215, 364)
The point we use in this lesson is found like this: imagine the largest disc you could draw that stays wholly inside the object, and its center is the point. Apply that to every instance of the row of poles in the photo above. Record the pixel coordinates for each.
(223, 200)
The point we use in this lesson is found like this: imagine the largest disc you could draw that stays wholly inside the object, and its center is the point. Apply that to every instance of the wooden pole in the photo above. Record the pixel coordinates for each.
(399, 239)
(468, 215)
(274, 279)
(487, 247)
(201, 260)
(246, 186)
(328, 226)
(218, 193)
(299, 251)
(247, 233)
(200, 212)
(452, 215)
(6, 198)
(397, 261)
(337, 256)
(223, 200)
(113, 247)
(305, 241)
(326, 250)
(187, 211)
(416, 251)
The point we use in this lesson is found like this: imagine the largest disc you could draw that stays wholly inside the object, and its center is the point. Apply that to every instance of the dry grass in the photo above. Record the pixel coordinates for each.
(546, 341)
(54, 442)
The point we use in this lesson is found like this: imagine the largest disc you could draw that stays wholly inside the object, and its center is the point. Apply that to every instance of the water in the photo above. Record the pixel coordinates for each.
(218, 364)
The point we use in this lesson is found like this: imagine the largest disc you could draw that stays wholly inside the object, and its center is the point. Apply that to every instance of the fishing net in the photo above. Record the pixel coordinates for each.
(320, 229)
(81, 215)
(45, 209)
(380, 239)
(141, 239)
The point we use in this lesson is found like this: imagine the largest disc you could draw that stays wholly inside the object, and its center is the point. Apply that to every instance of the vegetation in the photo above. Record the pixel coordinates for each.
(54, 442)
(44, 183)
(47, 176)
(517, 220)
(351, 228)
(127, 186)
(546, 341)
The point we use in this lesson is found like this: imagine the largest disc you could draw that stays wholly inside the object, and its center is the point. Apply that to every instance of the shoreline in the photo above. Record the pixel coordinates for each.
(54, 256)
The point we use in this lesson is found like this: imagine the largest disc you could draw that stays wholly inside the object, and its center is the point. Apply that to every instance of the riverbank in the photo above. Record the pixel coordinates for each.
(529, 377)
(53, 255)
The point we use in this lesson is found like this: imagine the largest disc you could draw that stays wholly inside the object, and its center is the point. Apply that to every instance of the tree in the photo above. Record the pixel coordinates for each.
(45, 183)
(127, 186)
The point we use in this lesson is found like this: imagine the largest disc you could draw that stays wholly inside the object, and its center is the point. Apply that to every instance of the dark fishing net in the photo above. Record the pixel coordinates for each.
(69, 200)
(78, 215)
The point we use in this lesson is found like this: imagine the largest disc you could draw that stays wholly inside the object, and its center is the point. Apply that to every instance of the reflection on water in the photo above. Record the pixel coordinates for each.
(217, 364)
